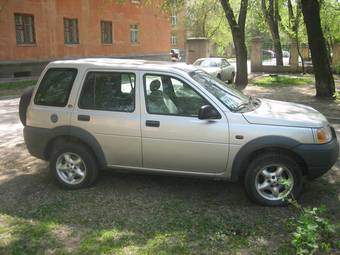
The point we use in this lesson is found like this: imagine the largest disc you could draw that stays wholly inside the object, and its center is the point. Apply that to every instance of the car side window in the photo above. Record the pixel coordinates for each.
(108, 91)
(55, 87)
(225, 63)
(170, 96)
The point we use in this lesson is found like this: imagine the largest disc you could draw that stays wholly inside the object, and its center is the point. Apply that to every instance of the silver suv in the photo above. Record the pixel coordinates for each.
(90, 114)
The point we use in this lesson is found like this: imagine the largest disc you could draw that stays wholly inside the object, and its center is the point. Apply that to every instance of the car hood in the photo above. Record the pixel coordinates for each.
(272, 112)
(209, 69)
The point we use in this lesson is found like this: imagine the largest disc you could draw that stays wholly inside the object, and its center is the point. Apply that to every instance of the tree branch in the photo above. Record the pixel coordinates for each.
(229, 14)
(243, 14)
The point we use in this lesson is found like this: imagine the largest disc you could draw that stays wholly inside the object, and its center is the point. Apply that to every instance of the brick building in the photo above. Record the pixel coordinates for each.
(33, 32)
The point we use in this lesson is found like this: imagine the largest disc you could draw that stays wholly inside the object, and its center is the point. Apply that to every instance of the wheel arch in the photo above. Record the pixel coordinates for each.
(78, 135)
(273, 144)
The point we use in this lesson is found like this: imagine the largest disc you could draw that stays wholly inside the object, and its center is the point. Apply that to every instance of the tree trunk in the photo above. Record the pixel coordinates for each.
(300, 55)
(237, 30)
(241, 80)
(324, 82)
(271, 16)
(277, 46)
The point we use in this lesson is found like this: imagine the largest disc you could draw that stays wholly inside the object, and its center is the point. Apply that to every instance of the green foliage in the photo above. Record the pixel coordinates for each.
(336, 68)
(206, 18)
(313, 232)
(337, 95)
(17, 85)
(281, 80)
(330, 20)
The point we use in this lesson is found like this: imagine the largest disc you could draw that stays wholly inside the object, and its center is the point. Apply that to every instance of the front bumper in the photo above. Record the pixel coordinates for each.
(319, 158)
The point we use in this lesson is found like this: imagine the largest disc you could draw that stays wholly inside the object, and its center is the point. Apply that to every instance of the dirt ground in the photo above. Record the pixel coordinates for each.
(143, 213)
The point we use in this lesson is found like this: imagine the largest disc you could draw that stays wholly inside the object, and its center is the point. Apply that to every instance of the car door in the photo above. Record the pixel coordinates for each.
(226, 67)
(173, 138)
(108, 108)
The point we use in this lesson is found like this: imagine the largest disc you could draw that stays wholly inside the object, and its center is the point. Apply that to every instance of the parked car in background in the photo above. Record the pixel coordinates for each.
(218, 67)
(158, 117)
(285, 54)
(268, 54)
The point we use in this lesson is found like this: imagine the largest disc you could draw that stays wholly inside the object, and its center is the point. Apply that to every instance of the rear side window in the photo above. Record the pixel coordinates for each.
(55, 87)
(108, 91)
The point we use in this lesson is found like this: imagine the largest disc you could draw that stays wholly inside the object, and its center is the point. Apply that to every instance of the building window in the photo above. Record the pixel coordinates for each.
(106, 28)
(24, 27)
(134, 33)
(173, 18)
(71, 35)
(173, 40)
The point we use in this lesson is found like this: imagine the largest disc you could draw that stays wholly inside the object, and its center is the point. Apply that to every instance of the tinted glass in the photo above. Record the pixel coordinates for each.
(108, 91)
(229, 96)
(55, 87)
(170, 96)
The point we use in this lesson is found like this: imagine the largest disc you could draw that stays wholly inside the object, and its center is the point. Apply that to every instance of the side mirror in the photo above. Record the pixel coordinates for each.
(207, 112)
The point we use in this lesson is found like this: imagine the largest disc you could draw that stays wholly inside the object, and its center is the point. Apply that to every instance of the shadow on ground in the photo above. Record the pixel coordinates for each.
(144, 213)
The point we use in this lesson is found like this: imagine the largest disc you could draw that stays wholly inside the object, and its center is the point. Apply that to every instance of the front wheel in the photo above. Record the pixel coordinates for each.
(73, 166)
(271, 178)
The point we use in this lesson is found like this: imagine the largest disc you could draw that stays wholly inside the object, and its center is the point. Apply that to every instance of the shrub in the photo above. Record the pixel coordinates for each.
(311, 231)
(337, 95)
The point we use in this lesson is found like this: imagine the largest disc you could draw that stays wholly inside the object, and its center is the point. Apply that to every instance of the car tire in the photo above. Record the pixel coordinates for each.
(263, 183)
(73, 166)
(24, 102)
(232, 78)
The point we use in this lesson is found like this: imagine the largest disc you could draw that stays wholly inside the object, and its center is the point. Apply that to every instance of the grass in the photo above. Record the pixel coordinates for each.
(140, 214)
(337, 95)
(17, 84)
(166, 231)
(15, 88)
(281, 80)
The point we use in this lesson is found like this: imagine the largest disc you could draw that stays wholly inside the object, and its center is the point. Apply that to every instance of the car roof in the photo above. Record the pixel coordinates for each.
(209, 59)
(136, 64)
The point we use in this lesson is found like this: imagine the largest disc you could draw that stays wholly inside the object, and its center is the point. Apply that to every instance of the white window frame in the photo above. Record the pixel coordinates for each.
(173, 39)
(173, 18)
(134, 33)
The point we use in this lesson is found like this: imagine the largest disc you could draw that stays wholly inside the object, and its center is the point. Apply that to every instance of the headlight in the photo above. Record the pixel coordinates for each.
(322, 135)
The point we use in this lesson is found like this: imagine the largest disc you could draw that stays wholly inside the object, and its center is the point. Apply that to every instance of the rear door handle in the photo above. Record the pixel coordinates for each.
(84, 117)
(152, 123)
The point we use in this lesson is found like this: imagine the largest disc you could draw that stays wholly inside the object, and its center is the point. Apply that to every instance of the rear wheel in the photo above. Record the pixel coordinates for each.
(73, 166)
(270, 178)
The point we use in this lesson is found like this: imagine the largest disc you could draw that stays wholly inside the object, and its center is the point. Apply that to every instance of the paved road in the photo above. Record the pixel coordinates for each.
(10, 125)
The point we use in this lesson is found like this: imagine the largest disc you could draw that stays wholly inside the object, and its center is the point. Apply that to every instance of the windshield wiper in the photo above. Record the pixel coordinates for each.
(252, 101)
(242, 106)
(255, 101)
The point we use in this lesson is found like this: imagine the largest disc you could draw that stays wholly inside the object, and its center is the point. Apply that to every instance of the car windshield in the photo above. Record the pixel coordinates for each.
(208, 63)
(230, 97)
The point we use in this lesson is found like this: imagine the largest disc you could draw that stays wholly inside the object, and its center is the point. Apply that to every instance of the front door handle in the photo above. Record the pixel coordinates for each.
(152, 123)
(84, 117)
